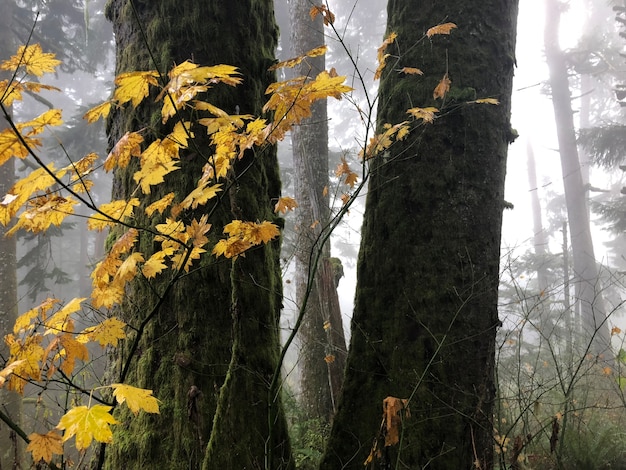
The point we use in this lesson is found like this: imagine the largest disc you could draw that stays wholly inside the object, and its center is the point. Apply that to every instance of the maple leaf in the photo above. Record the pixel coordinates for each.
(442, 87)
(444, 28)
(28, 350)
(56, 323)
(426, 114)
(10, 92)
(88, 424)
(11, 145)
(292, 62)
(42, 212)
(411, 71)
(105, 333)
(160, 205)
(97, 112)
(135, 398)
(44, 446)
(197, 231)
(155, 264)
(8, 370)
(382, 56)
(33, 59)
(72, 350)
(134, 86)
(493, 101)
(153, 173)
(116, 210)
(200, 195)
(52, 117)
(329, 17)
(615, 330)
(128, 146)
(285, 204)
(128, 269)
(394, 411)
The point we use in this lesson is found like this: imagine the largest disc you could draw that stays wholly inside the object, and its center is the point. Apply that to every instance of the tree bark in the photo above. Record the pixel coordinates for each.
(425, 317)
(585, 270)
(211, 350)
(315, 288)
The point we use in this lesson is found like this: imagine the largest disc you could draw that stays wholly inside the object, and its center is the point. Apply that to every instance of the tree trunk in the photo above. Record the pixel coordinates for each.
(315, 292)
(11, 402)
(585, 271)
(425, 316)
(214, 339)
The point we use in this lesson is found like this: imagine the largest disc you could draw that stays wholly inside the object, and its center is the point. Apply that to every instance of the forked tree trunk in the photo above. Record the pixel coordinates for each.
(425, 318)
(211, 350)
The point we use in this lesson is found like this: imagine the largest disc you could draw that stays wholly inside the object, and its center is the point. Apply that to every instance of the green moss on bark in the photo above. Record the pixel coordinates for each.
(425, 316)
(189, 341)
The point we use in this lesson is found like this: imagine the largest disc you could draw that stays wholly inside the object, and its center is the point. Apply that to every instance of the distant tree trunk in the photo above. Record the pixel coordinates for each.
(585, 271)
(211, 350)
(425, 317)
(10, 402)
(315, 287)
(540, 240)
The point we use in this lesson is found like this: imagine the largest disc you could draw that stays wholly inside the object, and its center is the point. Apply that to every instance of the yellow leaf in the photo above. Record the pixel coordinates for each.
(10, 92)
(615, 330)
(136, 398)
(72, 350)
(329, 17)
(57, 322)
(42, 212)
(134, 86)
(442, 87)
(289, 63)
(106, 333)
(12, 146)
(29, 351)
(160, 205)
(444, 28)
(285, 204)
(426, 114)
(128, 146)
(411, 71)
(382, 56)
(8, 370)
(394, 411)
(128, 269)
(115, 210)
(33, 59)
(52, 117)
(155, 265)
(97, 112)
(44, 446)
(493, 101)
(201, 195)
(153, 173)
(329, 358)
(88, 424)
(607, 370)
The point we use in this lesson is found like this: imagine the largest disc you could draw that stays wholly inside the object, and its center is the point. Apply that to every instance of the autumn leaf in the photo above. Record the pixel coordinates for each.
(442, 87)
(329, 359)
(8, 370)
(128, 146)
(285, 204)
(329, 17)
(290, 63)
(615, 330)
(57, 322)
(134, 86)
(44, 446)
(33, 59)
(493, 101)
(115, 210)
(135, 398)
(153, 173)
(160, 205)
(426, 114)
(105, 333)
(97, 112)
(395, 410)
(411, 71)
(88, 424)
(72, 350)
(155, 264)
(29, 351)
(444, 28)
(382, 56)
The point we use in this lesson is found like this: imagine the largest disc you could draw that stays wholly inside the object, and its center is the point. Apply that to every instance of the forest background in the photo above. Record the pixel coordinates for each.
(529, 251)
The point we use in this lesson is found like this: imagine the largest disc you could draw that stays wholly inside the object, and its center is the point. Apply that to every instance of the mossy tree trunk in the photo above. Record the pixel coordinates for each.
(220, 320)
(425, 317)
(316, 292)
